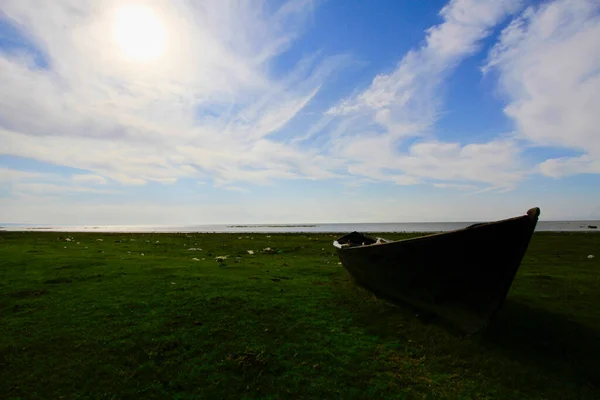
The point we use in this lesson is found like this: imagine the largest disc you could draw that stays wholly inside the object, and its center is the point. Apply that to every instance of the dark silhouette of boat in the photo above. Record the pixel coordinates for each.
(463, 275)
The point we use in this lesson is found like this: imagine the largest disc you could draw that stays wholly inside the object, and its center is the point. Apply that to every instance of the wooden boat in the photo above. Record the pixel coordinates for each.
(463, 275)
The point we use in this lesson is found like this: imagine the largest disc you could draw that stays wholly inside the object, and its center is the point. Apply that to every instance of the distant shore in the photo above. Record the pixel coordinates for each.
(391, 227)
(273, 226)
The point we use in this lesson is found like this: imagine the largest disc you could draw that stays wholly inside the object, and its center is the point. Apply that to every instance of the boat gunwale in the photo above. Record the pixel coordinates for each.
(534, 216)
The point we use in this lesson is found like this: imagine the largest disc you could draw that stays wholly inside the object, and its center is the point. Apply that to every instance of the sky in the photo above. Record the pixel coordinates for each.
(232, 111)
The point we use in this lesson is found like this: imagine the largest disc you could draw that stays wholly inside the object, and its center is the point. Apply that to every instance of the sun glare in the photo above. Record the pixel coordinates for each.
(139, 32)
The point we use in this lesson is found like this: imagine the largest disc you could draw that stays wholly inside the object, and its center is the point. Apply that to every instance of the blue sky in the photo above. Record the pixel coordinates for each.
(184, 112)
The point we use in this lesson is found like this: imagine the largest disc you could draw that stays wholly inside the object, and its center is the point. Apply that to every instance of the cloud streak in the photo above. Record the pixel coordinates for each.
(548, 61)
(27, 184)
(209, 104)
(405, 104)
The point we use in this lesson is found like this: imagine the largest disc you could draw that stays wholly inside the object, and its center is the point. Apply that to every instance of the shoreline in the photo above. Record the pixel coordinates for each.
(287, 228)
(270, 232)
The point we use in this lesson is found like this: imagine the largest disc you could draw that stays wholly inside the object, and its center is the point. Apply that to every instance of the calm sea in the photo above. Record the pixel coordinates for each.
(548, 226)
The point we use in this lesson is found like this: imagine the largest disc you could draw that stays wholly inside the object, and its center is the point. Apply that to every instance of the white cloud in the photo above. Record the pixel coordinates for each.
(410, 89)
(54, 189)
(234, 189)
(456, 186)
(208, 106)
(126, 162)
(406, 103)
(25, 184)
(560, 167)
(548, 61)
(89, 179)
(8, 175)
(495, 163)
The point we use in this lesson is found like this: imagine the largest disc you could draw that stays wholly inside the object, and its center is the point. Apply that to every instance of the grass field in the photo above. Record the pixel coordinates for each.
(120, 316)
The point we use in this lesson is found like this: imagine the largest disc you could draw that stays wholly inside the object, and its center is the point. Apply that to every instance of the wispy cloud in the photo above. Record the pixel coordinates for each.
(548, 61)
(235, 189)
(9, 175)
(55, 189)
(406, 103)
(209, 104)
(44, 184)
(456, 186)
(89, 179)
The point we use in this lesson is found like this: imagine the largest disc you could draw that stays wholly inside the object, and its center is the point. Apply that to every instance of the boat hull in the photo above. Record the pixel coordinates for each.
(462, 276)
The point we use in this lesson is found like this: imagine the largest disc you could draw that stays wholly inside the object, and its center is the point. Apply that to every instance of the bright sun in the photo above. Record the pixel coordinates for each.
(139, 32)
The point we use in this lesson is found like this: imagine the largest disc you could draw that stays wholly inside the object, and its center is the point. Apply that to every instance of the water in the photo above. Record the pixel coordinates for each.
(542, 226)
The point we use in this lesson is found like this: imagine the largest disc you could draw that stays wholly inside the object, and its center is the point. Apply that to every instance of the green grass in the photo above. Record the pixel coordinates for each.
(96, 319)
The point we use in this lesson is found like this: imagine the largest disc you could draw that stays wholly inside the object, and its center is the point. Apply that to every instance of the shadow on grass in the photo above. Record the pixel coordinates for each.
(546, 339)
(557, 347)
